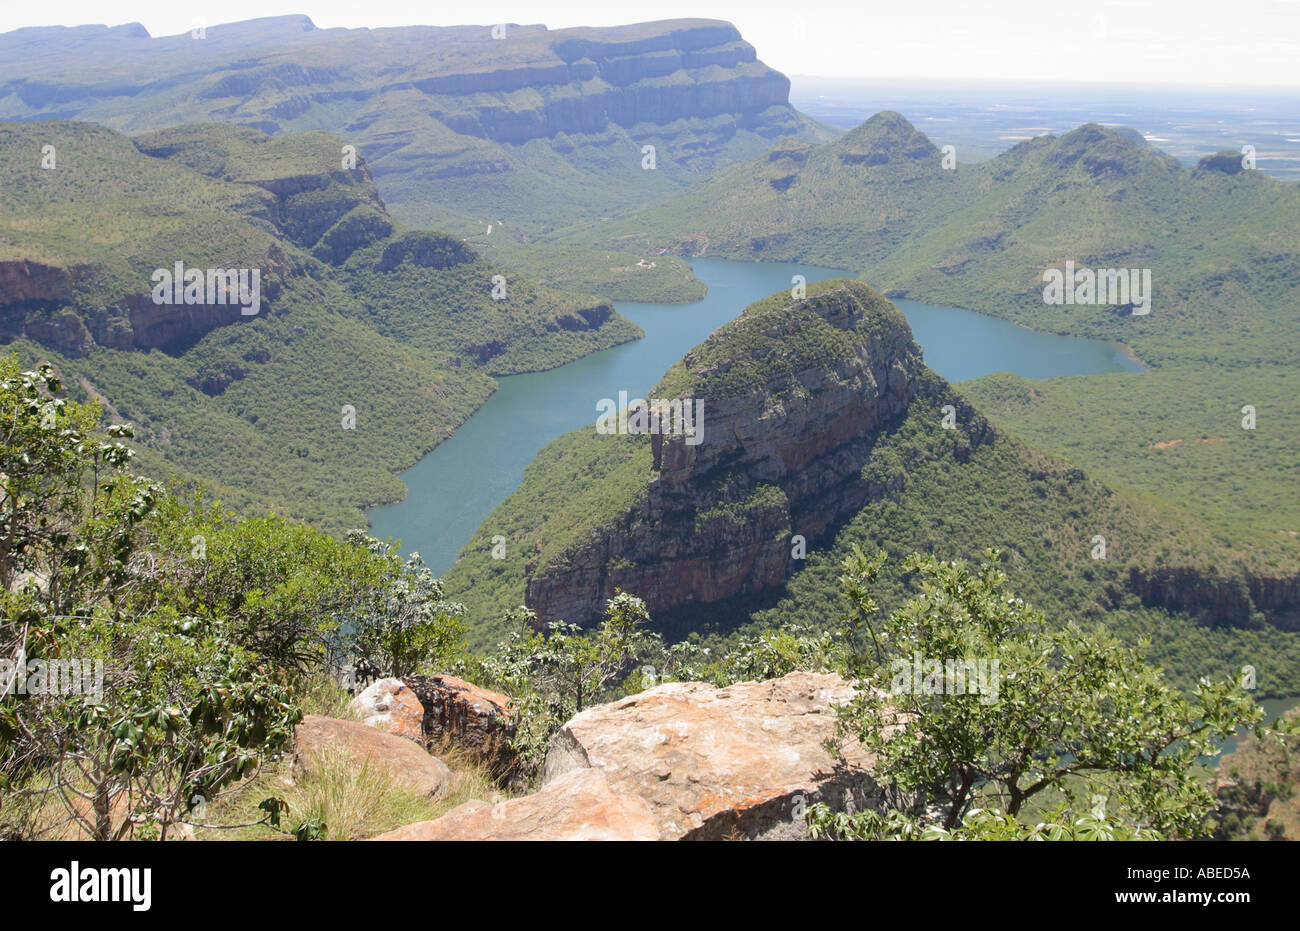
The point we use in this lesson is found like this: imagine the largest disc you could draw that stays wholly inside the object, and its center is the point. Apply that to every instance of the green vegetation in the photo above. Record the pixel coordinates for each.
(1028, 710)
(182, 710)
(404, 625)
(1174, 436)
(531, 329)
(216, 633)
(1257, 785)
(952, 493)
(156, 649)
(779, 336)
(542, 129)
(617, 276)
(401, 327)
(1221, 247)
(1042, 514)
(554, 673)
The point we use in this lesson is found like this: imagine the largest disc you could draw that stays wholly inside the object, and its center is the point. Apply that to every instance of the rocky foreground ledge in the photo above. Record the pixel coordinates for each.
(682, 761)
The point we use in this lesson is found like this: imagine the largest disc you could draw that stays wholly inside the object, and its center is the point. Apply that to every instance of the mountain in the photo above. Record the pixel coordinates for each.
(461, 126)
(792, 397)
(1222, 246)
(345, 309)
(878, 202)
(820, 419)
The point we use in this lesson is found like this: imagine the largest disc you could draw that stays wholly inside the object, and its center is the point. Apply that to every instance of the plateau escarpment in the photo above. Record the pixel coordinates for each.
(794, 395)
(291, 314)
(1220, 244)
(510, 121)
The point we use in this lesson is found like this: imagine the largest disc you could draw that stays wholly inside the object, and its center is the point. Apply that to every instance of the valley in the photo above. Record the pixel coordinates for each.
(453, 490)
(325, 353)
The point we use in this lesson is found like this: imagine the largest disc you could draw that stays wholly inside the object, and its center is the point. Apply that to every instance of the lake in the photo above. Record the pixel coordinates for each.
(455, 487)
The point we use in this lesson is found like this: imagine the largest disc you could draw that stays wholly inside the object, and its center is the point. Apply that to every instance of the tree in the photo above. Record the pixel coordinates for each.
(70, 517)
(1069, 712)
(555, 673)
(404, 625)
(164, 707)
(182, 714)
(282, 588)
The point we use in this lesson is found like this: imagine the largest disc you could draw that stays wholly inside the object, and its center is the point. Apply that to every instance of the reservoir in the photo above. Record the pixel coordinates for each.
(455, 487)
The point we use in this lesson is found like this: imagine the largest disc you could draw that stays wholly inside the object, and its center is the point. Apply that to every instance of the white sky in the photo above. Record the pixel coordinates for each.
(1113, 41)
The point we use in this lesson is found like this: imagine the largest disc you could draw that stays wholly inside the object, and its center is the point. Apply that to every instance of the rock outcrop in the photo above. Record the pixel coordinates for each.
(579, 805)
(392, 708)
(683, 761)
(742, 761)
(1215, 597)
(794, 393)
(466, 716)
(319, 740)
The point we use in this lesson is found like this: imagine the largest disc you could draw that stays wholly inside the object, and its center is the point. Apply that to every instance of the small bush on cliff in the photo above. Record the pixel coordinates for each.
(403, 625)
(972, 702)
(555, 673)
(152, 647)
(773, 653)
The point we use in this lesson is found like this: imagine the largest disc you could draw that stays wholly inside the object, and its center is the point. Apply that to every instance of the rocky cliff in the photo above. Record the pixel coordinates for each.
(301, 210)
(795, 393)
(685, 761)
(42, 303)
(431, 107)
(1241, 598)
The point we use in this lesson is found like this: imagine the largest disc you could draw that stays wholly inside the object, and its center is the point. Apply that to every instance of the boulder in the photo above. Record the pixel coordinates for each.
(711, 763)
(391, 707)
(465, 715)
(578, 805)
(317, 737)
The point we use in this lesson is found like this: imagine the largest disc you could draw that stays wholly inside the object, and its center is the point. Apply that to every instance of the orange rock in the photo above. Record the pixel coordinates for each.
(409, 765)
(578, 805)
(743, 761)
(390, 706)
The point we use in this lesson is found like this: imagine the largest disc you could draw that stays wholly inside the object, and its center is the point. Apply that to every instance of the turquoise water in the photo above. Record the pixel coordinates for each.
(455, 487)
(1273, 709)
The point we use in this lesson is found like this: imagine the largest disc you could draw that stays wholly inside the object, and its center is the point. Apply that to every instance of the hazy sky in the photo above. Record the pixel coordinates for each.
(1115, 41)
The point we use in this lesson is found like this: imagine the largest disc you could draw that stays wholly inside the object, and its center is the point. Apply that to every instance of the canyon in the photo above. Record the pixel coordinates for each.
(797, 391)
(441, 114)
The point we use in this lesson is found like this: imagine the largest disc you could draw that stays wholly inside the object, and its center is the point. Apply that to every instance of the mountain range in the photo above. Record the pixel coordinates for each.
(405, 327)
(541, 127)
(1220, 243)
(558, 163)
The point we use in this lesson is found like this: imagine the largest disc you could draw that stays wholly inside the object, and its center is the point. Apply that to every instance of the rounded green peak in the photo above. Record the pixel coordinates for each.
(783, 335)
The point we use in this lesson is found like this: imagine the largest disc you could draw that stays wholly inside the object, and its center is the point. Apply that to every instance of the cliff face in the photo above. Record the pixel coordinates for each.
(43, 303)
(1243, 599)
(686, 71)
(431, 107)
(794, 395)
